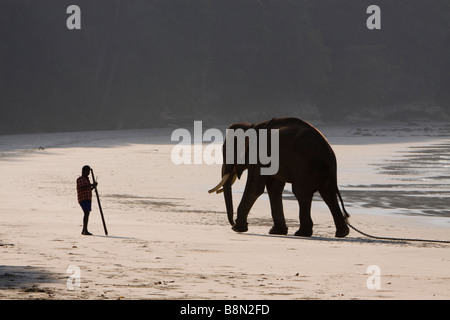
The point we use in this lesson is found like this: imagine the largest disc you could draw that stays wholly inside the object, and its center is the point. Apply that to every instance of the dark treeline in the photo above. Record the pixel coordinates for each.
(139, 63)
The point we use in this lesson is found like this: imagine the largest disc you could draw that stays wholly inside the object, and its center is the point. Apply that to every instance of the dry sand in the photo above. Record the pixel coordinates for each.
(169, 239)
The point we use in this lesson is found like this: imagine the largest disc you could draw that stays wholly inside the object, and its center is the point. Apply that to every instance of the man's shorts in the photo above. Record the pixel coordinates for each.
(86, 205)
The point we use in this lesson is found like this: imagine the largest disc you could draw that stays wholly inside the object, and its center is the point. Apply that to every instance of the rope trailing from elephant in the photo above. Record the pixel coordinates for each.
(394, 239)
(346, 216)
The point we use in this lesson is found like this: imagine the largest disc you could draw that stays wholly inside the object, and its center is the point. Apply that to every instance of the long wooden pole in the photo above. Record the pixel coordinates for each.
(99, 205)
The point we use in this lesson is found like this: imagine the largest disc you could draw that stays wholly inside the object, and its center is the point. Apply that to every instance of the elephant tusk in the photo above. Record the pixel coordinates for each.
(221, 183)
(232, 182)
(234, 178)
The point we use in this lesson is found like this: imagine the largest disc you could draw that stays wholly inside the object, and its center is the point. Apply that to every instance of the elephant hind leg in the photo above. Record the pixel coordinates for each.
(306, 224)
(329, 195)
(275, 190)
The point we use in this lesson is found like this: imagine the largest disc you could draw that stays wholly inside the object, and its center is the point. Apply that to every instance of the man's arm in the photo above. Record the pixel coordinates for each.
(88, 186)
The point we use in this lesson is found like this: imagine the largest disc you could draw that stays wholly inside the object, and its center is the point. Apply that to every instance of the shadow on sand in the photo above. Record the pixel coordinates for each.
(26, 277)
(362, 240)
(326, 239)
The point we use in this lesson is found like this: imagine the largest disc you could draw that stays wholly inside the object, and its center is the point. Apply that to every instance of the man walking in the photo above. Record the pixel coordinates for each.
(84, 191)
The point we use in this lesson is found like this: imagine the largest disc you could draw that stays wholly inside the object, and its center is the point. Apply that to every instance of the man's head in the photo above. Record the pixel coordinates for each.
(86, 170)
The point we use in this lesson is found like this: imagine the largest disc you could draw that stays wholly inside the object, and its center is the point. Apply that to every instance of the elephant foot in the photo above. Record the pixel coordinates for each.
(278, 230)
(342, 232)
(240, 227)
(304, 232)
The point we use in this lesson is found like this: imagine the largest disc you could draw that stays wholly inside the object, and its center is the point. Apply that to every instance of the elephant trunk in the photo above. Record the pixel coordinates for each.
(228, 201)
(229, 176)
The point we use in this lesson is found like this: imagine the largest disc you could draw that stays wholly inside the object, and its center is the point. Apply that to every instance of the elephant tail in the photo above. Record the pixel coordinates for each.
(346, 215)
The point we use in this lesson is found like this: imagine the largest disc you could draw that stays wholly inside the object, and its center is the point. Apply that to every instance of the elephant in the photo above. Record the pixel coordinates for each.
(306, 160)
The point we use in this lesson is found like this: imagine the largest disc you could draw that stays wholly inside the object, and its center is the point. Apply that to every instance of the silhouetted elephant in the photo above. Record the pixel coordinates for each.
(306, 160)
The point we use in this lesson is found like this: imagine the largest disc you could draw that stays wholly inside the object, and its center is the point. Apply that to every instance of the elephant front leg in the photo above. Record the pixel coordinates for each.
(253, 189)
(241, 224)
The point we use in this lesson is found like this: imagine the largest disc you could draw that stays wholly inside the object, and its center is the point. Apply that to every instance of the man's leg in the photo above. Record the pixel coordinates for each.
(85, 223)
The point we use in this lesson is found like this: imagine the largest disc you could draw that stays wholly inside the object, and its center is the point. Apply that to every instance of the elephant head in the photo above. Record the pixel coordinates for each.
(231, 170)
(246, 149)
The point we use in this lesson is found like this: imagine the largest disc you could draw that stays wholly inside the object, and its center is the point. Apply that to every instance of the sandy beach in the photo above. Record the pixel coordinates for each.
(170, 239)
